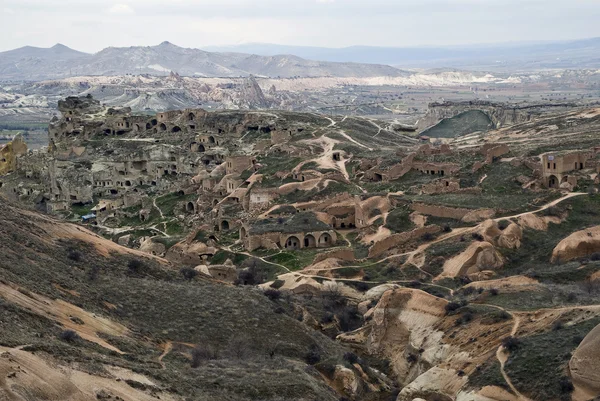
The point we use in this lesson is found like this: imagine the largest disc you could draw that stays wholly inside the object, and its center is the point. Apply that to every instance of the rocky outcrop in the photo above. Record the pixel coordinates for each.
(10, 152)
(466, 215)
(479, 256)
(501, 114)
(402, 239)
(577, 245)
(585, 363)
(403, 323)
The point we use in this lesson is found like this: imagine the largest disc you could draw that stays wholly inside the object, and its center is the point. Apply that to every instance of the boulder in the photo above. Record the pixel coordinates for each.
(585, 363)
(577, 245)
(479, 256)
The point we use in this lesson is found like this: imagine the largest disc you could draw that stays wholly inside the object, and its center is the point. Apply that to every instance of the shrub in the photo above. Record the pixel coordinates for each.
(277, 284)
(566, 386)
(412, 358)
(313, 356)
(350, 357)
(136, 266)
(202, 353)
(362, 286)
(557, 325)
(272, 294)
(188, 273)
(511, 343)
(74, 255)
(427, 237)
(453, 306)
(69, 336)
(447, 228)
(494, 292)
(327, 318)
(595, 256)
(477, 237)
(502, 224)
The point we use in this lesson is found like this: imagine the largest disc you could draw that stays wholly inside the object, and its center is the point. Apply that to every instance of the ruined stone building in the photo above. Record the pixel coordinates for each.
(559, 167)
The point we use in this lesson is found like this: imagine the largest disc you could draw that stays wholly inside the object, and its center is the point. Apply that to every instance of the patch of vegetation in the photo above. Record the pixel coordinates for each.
(398, 220)
(539, 364)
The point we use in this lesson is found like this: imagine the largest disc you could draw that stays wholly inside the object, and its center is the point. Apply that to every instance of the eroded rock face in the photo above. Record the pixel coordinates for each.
(579, 244)
(585, 363)
(194, 253)
(479, 256)
(402, 325)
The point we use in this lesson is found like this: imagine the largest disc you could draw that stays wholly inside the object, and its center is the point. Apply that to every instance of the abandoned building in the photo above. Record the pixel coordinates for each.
(559, 167)
(302, 230)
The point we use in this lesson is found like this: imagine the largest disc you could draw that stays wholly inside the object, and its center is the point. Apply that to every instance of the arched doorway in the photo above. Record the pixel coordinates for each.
(189, 207)
(564, 179)
(310, 241)
(224, 225)
(191, 117)
(201, 148)
(243, 233)
(162, 127)
(292, 243)
(325, 239)
(552, 182)
(211, 139)
(175, 129)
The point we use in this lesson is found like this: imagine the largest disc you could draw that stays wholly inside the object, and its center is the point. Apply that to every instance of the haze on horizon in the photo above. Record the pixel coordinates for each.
(95, 24)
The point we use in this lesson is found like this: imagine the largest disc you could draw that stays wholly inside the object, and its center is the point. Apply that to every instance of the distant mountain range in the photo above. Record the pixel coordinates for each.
(279, 61)
(59, 61)
(583, 53)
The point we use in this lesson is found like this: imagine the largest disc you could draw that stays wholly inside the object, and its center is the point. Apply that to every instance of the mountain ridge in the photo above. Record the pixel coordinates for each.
(59, 61)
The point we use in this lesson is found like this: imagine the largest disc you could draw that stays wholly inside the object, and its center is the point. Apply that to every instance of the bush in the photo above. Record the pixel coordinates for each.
(427, 237)
(566, 386)
(447, 228)
(360, 286)
(136, 266)
(350, 357)
(477, 237)
(557, 325)
(202, 353)
(74, 255)
(313, 356)
(494, 292)
(511, 344)
(502, 224)
(69, 336)
(272, 294)
(454, 306)
(188, 273)
(277, 284)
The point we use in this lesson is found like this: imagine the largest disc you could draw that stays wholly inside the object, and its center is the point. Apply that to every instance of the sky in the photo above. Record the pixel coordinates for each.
(91, 25)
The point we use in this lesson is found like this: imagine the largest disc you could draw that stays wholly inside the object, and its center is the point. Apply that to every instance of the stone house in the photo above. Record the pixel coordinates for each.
(558, 168)
(302, 230)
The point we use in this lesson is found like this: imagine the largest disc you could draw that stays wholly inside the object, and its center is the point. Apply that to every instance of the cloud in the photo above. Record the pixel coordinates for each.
(121, 9)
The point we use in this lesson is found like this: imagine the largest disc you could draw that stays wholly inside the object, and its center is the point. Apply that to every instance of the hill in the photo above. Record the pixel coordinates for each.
(29, 63)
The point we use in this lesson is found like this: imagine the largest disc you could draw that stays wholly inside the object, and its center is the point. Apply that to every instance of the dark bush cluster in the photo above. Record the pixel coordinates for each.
(477, 237)
(313, 355)
(511, 343)
(453, 306)
(272, 294)
(136, 267)
(202, 353)
(69, 336)
(188, 273)
(74, 255)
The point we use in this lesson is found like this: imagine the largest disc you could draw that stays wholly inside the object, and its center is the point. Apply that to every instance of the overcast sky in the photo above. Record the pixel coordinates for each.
(90, 25)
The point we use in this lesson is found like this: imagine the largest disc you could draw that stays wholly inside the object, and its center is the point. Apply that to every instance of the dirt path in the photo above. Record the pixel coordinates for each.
(162, 216)
(167, 349)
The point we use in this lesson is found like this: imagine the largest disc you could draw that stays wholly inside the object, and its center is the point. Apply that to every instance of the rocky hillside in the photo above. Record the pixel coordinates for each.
(59, 62)
(271, 255)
